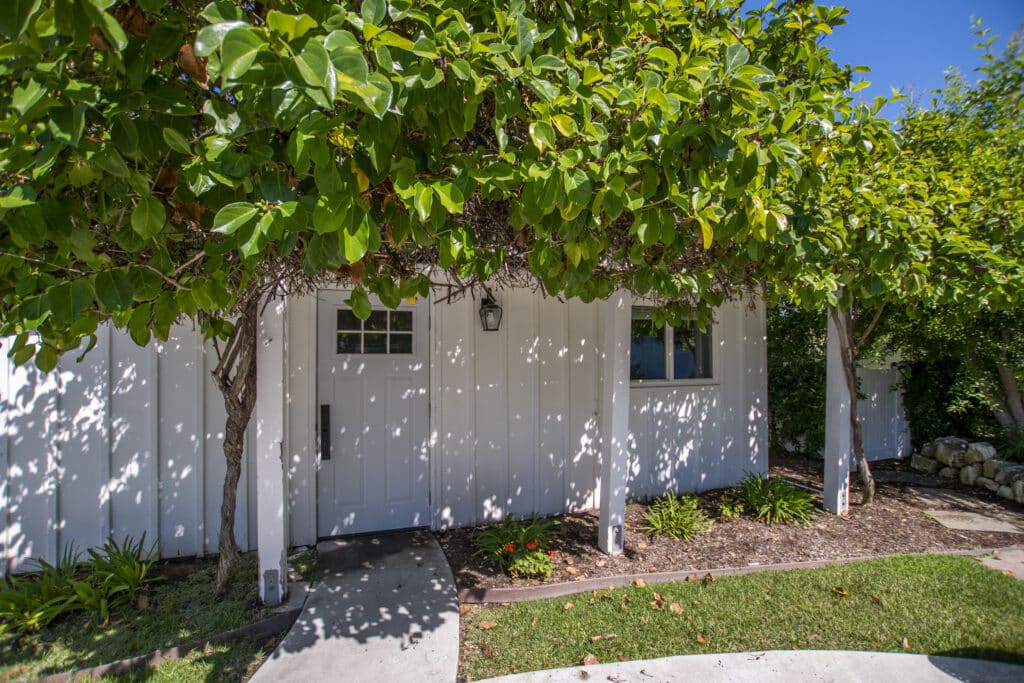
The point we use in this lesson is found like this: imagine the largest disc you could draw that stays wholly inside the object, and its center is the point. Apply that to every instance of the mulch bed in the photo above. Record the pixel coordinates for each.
(895, 523)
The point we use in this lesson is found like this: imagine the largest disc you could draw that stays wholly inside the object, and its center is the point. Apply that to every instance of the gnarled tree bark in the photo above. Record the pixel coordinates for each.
(848, 347)
(235, 376)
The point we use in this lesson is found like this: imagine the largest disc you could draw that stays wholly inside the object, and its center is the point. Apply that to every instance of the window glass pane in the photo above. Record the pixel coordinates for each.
(401, 321)
(691, 353)
(647, 347)
(347, 320)
(349, 342)
(378, 320)
(401, 343)
(376, 342)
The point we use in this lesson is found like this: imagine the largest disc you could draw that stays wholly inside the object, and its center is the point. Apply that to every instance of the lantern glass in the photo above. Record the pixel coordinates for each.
(490, 315)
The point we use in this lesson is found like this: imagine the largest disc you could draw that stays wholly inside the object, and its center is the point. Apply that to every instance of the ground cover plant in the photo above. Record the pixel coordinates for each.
(521, 548)
(776, 500)
(924, 604)
(680, 517)
(180, 608)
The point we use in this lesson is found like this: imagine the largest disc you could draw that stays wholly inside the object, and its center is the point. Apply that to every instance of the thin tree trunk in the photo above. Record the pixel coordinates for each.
(847, 350)
(235, 376)
(1011, 389)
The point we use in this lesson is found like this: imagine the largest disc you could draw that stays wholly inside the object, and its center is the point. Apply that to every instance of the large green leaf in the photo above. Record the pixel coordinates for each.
(15, 16)
(542, 134)
(114, 290)
(360, 303)
(149, 217)
(210, 38)
(233, 216)
(240, 48)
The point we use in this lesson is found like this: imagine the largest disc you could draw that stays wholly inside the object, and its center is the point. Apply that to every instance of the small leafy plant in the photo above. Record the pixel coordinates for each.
(676, 516)
(730, 508)
(519, 547)
(776, 500)
(122, 568)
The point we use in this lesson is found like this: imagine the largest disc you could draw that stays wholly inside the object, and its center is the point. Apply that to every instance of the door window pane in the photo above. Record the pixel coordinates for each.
(375, 342)
(347, 320)
(401, 321)
(378, 320)
(401, 343)
(349, 342)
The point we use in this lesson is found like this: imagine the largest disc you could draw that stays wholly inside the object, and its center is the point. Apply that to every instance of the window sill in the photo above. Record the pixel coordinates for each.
(672, 383)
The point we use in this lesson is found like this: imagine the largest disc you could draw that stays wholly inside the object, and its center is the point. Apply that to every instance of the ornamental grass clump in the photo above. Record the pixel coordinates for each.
(776, 500)
(677, 516)
(521, 548)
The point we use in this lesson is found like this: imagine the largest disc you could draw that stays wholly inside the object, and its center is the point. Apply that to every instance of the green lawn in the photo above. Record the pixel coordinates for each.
(925, 604)
(180, 611)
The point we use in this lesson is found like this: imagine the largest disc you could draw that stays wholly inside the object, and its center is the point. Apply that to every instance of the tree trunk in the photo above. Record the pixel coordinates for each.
(1011, 389)
(235, 376)
(848, 352)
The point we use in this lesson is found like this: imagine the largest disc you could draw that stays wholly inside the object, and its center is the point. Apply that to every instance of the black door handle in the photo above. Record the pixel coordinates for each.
(325, 431)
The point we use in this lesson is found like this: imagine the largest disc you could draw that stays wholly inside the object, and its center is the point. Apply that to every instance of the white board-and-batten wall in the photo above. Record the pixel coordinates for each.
(129, 440)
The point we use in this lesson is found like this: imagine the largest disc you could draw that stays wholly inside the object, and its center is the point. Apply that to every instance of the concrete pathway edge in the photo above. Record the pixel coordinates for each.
(785, 666)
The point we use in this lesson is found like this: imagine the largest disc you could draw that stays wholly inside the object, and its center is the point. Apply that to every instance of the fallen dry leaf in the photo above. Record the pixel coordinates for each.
(1007, 572)
(696, 602)
(692, 577)
(600, 563)
(569, 560)
(876, 599)
(652, 569)
(623, 607)
(702, 640)
(675, 608)
(595, 639)
(464, 608)
(641, 546)
(584, 675)
(592, 601)
(709, 578)
(572, 570)
(639, 583)
(566, 607)
(486, 625)
(839, 590)
(488, 651)
(906, 644)
(589, 660)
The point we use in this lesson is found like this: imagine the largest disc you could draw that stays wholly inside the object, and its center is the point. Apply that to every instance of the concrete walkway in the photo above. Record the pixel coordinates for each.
(803, 666)
(384, 609)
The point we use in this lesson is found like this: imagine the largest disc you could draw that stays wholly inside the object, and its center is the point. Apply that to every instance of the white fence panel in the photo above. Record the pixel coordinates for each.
(124, 443)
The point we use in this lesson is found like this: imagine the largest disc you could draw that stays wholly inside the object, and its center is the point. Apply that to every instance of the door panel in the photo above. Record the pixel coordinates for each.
(374, 377)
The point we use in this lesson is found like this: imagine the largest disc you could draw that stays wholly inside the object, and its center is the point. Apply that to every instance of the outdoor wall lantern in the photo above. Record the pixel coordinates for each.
(490, 315)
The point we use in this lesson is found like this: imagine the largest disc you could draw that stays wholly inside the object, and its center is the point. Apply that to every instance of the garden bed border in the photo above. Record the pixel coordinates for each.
(481, 596)
(265, 628)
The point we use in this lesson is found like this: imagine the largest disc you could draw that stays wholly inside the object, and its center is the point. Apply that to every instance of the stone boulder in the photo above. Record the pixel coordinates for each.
(928, 450)
(947, 473)
(969, 474)
(1005, 492)
(991, 467)
(990, 484)
(980, 451)
(1009, 472)
(1018, 491)
(951, 451)
(922, 463)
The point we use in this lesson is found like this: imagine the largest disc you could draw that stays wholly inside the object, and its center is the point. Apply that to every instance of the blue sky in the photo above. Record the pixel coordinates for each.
(909, 44)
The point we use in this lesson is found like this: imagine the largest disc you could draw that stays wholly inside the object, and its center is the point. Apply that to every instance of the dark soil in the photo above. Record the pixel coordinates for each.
(895, 523)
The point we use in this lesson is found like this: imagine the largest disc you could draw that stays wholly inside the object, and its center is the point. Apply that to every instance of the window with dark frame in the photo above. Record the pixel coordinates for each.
(667, 353)
(384, 332)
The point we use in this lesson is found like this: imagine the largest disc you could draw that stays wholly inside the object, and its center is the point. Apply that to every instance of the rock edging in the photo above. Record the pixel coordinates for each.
(974, 464)
(480, 596)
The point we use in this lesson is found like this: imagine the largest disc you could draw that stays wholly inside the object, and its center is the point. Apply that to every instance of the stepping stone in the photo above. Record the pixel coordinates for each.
(945, 497)
(1007, 560)
(975, 521)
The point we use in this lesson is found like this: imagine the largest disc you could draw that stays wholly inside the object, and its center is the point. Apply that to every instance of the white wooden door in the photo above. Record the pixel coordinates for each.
(373, 419)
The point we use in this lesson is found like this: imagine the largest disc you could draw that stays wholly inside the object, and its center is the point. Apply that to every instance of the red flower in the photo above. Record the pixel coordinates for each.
(510, 547)
(551, 555)
(532, 545)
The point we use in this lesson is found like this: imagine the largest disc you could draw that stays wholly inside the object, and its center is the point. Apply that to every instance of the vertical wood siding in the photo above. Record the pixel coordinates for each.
(124, 443)
(885, 427)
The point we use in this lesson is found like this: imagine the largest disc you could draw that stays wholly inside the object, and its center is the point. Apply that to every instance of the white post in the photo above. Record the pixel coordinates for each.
(271, 508)
(838, 435)
(614, 421)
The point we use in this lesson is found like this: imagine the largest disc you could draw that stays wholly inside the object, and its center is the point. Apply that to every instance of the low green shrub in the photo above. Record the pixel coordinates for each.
(113, 576)
(730, 508)
(676, 516)
(1011, 445)
(521, 548)
(776, 500)
(123, 568)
